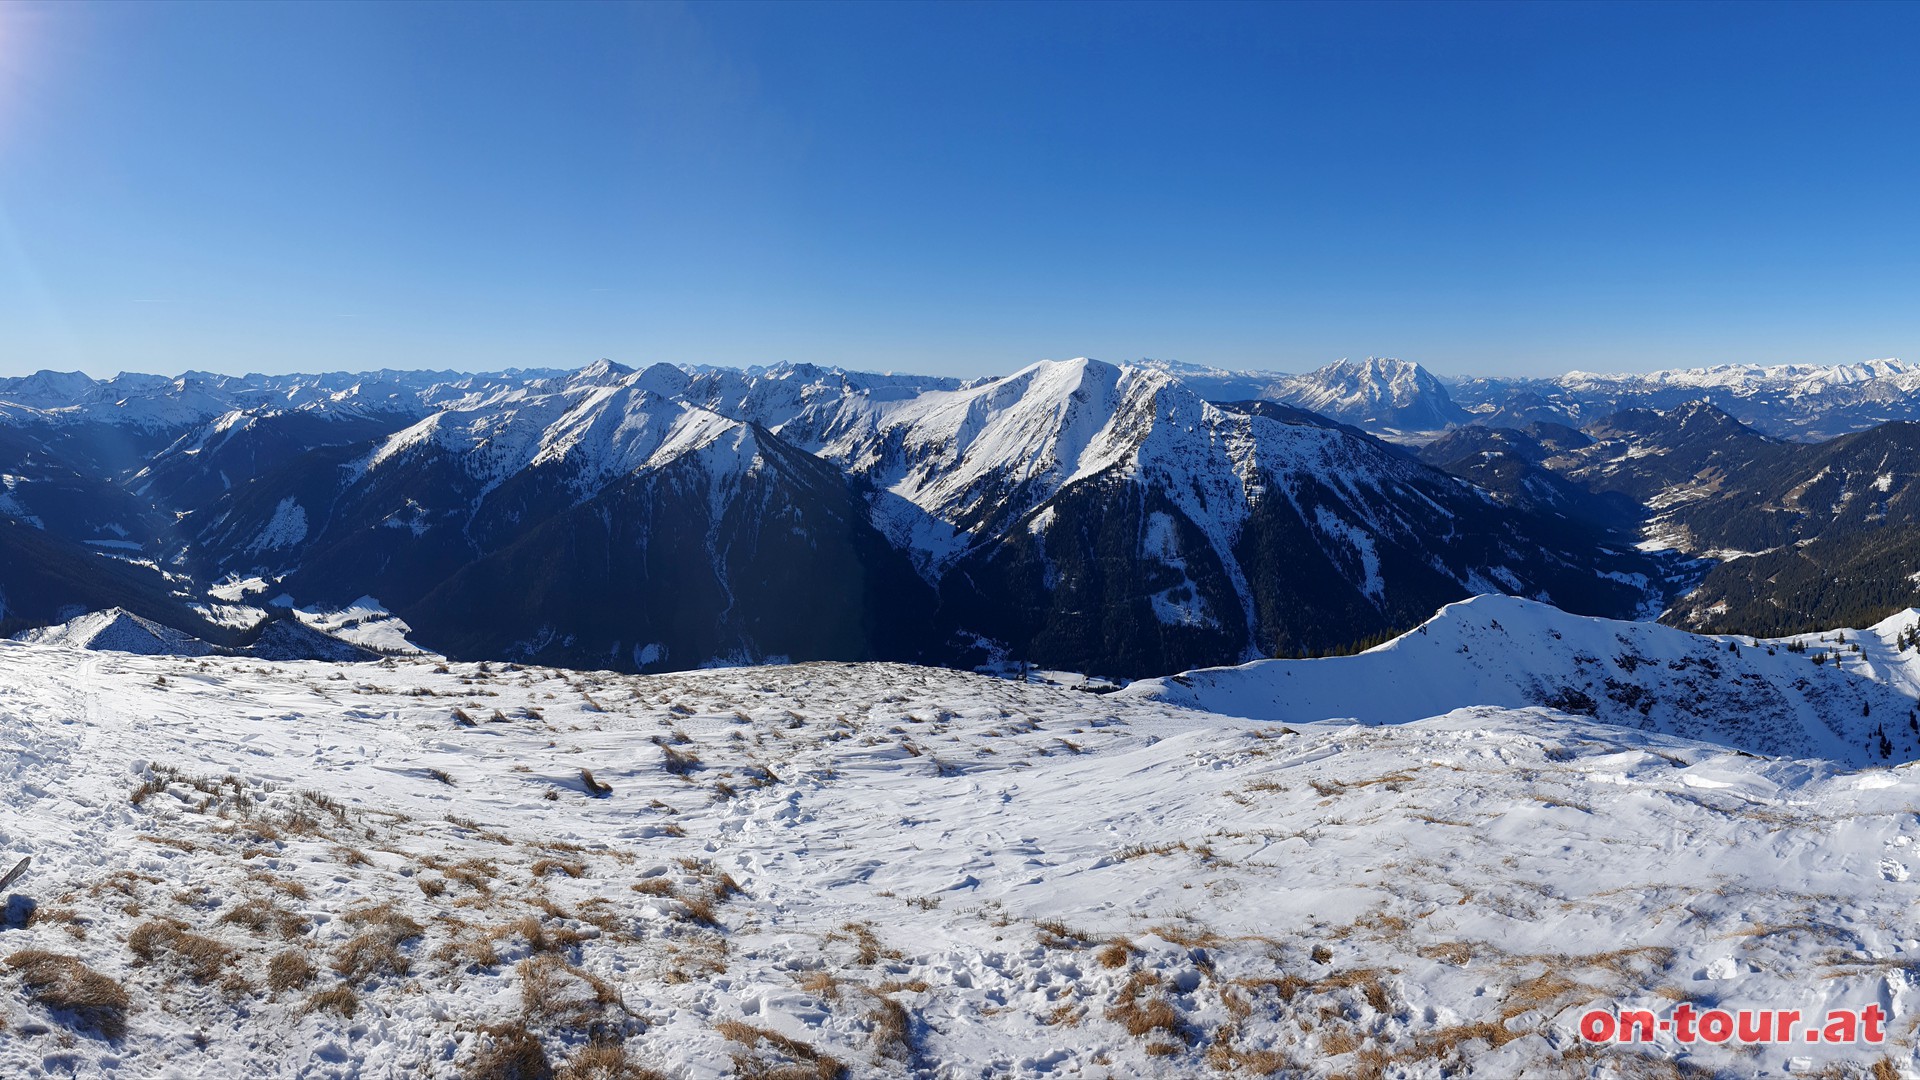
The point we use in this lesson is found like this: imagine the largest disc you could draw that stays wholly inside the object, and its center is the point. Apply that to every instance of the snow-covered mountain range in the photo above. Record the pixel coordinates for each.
(1122, 519)
(1798, 401)
(1075, 514)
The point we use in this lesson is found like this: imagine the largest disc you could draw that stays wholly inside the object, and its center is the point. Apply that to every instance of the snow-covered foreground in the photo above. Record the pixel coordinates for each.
(400, 870)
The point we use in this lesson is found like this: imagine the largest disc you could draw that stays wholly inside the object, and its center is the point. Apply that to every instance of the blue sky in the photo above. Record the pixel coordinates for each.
(955, 188)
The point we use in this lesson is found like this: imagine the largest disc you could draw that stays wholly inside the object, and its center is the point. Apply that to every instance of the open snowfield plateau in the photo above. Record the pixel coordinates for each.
(403, 869)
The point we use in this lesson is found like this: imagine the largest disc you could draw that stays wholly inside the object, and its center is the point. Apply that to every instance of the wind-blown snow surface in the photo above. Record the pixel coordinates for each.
(905, 871)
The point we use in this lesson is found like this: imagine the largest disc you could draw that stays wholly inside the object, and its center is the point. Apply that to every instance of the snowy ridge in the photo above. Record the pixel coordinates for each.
(598, 430)
(117, 630)
(1515, 653)
(980, 458)
(1804, 377)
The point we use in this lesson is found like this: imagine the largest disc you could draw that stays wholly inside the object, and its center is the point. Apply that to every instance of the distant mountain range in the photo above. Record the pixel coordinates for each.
(1074, 515)
(1123, 520)
(1393, 397)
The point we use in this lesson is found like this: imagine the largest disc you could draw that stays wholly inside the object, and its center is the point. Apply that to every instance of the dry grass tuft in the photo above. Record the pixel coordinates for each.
(289, 970)
(542, 867)
(1365, 980)
(202, 957)
(1143, 1011)
(263, 916)
(820, 984)
(1055, 934)
(867, 948)
(376, 949)
(508, 1052)
(678, 762)
(554, 993)
(1456, 953)
(892, 1030)
(803, 1061)
(606, 1060)
(339, 999)
(64, 984)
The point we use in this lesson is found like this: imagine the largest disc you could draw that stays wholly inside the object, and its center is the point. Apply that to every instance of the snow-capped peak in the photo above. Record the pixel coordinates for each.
(1377, 392)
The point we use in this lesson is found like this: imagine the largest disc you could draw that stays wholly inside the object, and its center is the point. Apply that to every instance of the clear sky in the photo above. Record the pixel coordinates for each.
(957, 188)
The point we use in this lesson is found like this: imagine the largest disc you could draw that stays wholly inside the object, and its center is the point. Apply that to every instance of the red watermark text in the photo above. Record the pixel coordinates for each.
(1687, 1025)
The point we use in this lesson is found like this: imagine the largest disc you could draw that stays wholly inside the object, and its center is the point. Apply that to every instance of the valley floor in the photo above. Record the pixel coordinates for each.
(401, 870)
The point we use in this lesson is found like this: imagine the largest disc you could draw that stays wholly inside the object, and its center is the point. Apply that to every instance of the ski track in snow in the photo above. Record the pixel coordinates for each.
(1044, 882)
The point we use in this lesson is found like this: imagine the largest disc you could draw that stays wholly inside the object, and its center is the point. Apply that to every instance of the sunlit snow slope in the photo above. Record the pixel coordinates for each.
(1499, 650)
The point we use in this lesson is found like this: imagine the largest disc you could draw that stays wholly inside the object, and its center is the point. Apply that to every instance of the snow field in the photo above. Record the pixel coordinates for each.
(401, 869)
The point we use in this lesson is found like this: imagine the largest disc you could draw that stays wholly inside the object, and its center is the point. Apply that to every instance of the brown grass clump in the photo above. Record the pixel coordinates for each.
(1542, 990)
(508, 1052)
(892, 1029)
(1365, 980)
(539, 937)
(202, 957)
(804, 1062)
(867, 948)
(1456, 953)
(289, 970)
(557, 994)
(475, 874)
(678, 762)
(64, 984)
(1143, 1012)
(1334, 1042)
(1115, 953)
(376, 949)
(1447, 1042)
(1226, 1057)
(543, 867)
(263, 916)
(279, 884)
(1055, 934)
(820, 984)
(339, 999)
(1141, 851)
(606, 1060)
(1198, 937)
(701, 909)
